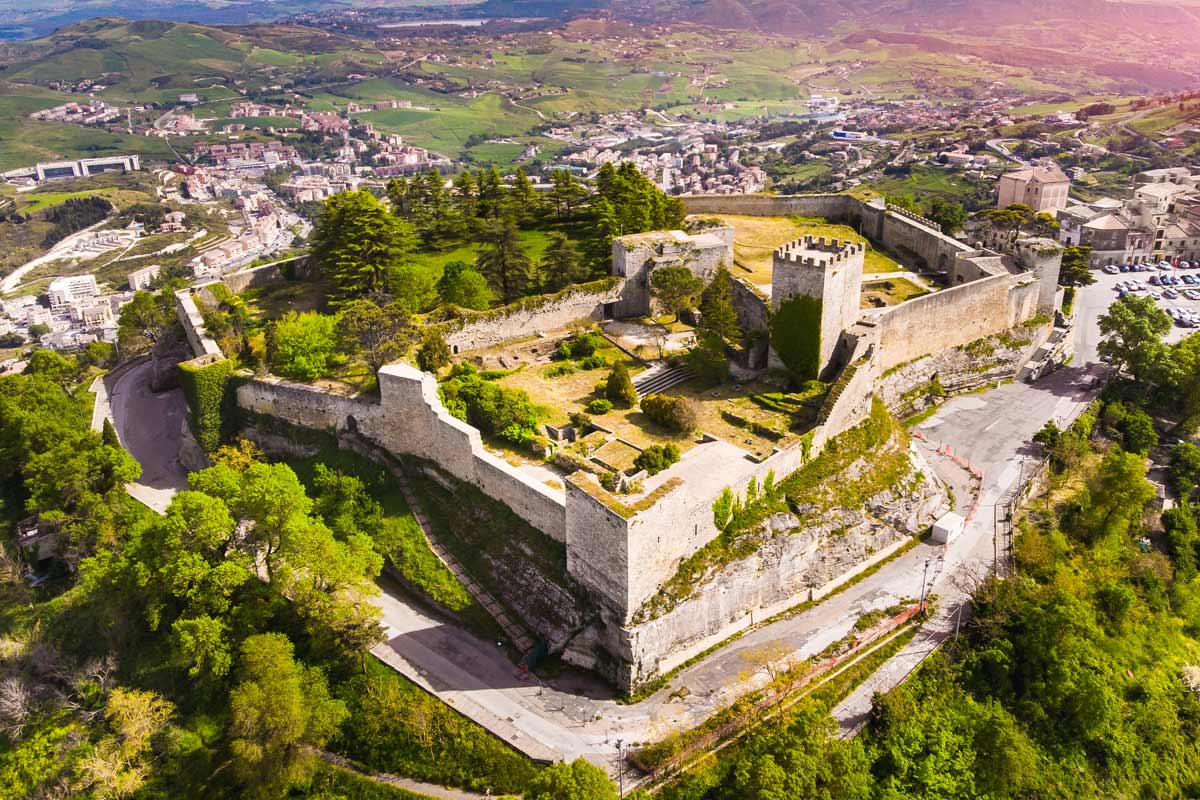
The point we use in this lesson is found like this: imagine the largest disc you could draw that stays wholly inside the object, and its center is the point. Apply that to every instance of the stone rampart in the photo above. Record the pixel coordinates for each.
(793, 566)
(952, 317)
(476, 330)
(839, 207)
(410, 418)
(193, 326)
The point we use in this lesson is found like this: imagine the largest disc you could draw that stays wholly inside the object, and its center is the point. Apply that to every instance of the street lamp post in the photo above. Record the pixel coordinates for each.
(923, 576)
(621, 766)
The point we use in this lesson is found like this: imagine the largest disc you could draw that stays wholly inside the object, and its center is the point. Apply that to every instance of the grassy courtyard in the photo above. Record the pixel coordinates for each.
(755, 239)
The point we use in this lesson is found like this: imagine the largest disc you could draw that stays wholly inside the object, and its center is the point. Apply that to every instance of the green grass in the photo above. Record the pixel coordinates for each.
(397, 727)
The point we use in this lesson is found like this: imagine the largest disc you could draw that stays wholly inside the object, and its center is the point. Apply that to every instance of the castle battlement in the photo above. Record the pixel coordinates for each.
(817, 251)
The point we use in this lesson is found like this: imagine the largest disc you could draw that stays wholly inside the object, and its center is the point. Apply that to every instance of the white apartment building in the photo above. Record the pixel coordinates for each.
(67, 290)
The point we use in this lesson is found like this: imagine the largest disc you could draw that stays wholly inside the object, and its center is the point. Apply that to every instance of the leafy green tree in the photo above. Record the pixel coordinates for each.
(1133, 329)
(561, 264)
(503, 261)
(619, 387)
(142, 322)
(951, 216)
(100, 354)
(279, 711)
(1117, 495)
(37, 330)
(675, 288)
(1179, 524)
(434, 353)
(718, 317)
(302, 345)
(1185, 468)
(904, 201)
(358, 244)
(379, 333)
(578, 780)
(413, 287)
(1139, 434)
(1074, 270)
(461, 285)
(51, 365)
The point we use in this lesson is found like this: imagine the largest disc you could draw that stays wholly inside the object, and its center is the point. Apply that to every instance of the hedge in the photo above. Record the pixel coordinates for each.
(205, 387)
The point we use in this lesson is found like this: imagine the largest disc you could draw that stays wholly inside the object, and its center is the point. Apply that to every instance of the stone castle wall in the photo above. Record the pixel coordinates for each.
(797, 564)
(954, 316)
(410, 418)
(533, 315)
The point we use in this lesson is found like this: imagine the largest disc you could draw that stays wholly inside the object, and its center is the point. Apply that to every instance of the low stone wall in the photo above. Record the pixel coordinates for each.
(532, 315)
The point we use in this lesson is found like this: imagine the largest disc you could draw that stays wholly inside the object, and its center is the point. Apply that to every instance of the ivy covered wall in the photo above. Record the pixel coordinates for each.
(205, 387)
(796, 336)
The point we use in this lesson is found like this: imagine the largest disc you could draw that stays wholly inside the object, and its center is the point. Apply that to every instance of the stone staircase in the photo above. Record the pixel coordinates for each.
(659, 378)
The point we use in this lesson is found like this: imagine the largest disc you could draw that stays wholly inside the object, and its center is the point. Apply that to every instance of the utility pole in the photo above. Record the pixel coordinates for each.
(923, 576)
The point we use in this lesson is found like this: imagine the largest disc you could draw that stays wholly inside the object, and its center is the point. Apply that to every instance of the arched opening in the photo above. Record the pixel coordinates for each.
(351, 424)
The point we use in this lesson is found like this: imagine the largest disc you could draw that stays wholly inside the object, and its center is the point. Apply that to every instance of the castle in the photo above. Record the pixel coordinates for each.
(622, 549)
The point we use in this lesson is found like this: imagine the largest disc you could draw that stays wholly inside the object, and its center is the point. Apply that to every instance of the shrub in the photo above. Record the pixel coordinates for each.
(599, 406)
(302, 346)
(674, 413)
(655, 458)
(593, 362)
(495, 410)
(619, 387)
(580, 421)
(578, 346)
(434, 353)
(559, 370)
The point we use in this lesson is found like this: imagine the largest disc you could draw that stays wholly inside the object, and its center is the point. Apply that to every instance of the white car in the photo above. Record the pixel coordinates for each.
(1156, 295)
(1112, 269)
(1170, 294)
(1191, 294)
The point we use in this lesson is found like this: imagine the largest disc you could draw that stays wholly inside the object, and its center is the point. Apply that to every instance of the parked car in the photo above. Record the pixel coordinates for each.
(1170, 294)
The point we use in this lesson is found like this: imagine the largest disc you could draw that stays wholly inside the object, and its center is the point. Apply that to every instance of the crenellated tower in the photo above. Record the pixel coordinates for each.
(829, 272)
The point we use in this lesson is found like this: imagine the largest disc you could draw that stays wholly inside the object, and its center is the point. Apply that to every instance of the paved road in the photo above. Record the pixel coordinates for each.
(149, 427)
(993, 431)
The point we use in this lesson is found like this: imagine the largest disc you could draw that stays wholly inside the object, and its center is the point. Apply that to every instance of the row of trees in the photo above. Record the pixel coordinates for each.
(364, 247)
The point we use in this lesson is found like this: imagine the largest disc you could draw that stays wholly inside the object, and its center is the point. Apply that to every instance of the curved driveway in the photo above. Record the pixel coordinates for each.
(149, 425)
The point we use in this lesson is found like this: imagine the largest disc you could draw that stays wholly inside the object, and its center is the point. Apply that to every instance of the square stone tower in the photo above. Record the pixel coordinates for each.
(829, 271)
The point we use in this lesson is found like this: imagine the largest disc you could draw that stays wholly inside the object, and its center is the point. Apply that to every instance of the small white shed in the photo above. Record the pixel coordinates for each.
(948, 527)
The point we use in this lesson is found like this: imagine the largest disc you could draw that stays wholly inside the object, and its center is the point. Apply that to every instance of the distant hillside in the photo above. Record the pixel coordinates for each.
(158, 56)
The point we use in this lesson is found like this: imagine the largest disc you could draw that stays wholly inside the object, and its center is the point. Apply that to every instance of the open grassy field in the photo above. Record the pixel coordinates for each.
(755, 239)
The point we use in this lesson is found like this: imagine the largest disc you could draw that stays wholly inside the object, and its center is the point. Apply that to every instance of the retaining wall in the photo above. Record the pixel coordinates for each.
(530, 316)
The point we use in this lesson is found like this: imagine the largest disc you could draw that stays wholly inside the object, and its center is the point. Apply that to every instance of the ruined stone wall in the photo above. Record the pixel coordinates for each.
(635, 257)
(752, 306)
(905, 235)
(532, 315)
(300, 404)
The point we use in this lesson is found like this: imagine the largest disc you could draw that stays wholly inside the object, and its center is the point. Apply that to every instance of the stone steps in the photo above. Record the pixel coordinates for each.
(659, 378)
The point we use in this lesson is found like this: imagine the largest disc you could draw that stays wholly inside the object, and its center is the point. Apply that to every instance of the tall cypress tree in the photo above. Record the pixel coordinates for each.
(718, 317)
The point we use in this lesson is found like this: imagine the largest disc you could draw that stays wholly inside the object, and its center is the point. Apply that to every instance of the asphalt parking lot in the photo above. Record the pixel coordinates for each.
(1182, 302)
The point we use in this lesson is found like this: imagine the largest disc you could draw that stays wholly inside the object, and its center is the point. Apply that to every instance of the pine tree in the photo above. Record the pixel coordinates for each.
(619, 388)
(521, 197)
(717, 314)
(561, 264)
(503, 262)
(358, 244)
